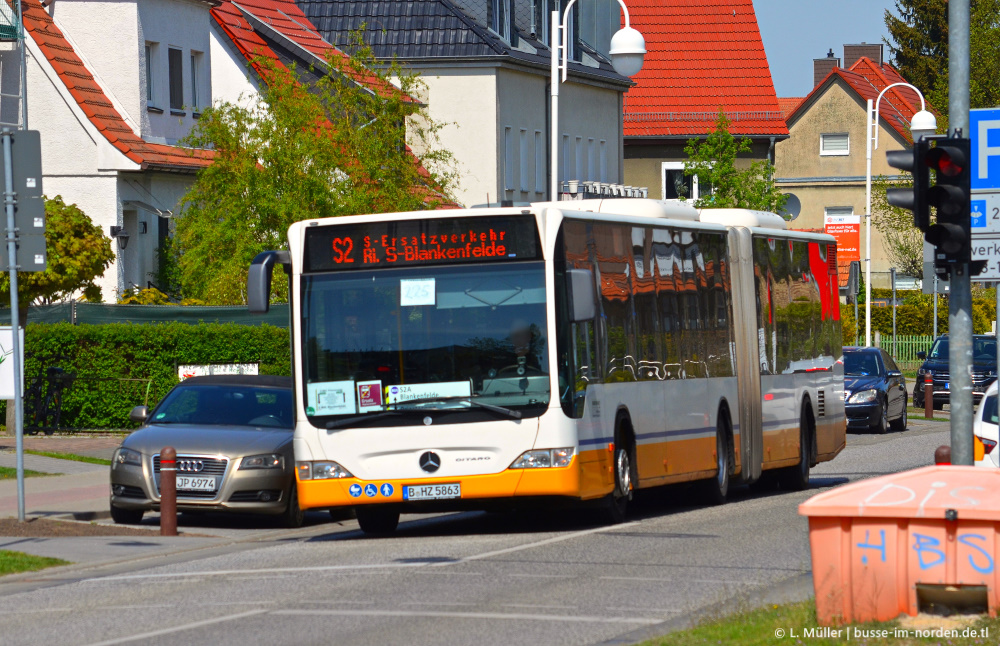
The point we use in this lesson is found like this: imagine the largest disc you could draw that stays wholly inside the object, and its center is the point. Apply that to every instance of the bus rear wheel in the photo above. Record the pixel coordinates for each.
(377, 521)
(796, 478)
(717, 489)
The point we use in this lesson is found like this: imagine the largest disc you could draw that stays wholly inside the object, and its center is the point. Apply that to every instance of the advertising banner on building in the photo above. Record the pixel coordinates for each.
(847, 230)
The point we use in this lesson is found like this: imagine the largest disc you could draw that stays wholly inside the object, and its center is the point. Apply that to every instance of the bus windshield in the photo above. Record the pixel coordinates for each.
(424, 338)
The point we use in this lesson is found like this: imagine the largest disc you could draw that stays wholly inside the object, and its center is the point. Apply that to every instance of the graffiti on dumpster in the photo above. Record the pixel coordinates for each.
(928, 553)
(894, 495)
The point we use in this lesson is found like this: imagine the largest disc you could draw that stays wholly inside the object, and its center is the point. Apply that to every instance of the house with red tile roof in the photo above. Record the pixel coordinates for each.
(113, 88)
(486, 66)
(702, 56)
(822, 165)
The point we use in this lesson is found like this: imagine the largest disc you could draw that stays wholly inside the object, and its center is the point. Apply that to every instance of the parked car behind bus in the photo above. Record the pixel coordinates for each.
(874, 390)
(984, 369)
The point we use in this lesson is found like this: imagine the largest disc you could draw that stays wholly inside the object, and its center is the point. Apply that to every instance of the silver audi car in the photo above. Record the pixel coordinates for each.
(233, 438)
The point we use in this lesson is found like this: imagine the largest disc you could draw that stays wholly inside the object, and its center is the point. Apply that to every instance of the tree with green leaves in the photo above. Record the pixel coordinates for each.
(919, 50)
(903, 242)
(78, 253)
(333, 146)
(713, 161)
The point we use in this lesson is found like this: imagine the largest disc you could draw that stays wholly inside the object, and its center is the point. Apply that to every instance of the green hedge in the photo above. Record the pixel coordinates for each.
(118, 364)
(915, 315)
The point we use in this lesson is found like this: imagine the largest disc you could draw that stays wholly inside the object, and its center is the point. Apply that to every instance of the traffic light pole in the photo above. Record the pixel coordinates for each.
(960, 299)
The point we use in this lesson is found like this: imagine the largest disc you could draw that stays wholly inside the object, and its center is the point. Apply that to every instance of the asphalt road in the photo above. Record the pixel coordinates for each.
(470, 578)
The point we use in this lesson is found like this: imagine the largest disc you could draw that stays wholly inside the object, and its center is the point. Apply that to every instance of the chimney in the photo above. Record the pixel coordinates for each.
(822, 67)
(853, 52)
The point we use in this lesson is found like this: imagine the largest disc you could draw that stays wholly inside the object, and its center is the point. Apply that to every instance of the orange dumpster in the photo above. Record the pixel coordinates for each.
(920, 540)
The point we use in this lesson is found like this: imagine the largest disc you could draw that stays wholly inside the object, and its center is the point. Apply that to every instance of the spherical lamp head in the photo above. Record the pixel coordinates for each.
(922, 124)
(628, 48)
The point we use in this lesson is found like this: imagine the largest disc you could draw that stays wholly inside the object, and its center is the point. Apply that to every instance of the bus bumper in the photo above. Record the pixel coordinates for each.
(511, 483)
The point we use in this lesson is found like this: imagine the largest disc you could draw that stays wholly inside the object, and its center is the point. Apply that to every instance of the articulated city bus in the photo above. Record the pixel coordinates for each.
(566, 351)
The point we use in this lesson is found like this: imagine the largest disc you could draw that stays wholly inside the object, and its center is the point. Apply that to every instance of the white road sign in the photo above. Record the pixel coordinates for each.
(987, 249)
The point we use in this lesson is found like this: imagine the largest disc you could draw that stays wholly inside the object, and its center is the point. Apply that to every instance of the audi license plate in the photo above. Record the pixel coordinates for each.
(432, 492)
(195, 483)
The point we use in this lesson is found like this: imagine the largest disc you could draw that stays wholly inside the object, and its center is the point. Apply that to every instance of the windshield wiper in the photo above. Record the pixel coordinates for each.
(341, 423)
(509, 412)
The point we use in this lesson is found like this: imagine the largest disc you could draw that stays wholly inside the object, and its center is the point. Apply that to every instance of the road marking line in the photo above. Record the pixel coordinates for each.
(675, 580)
(167, 631)
(207, 573)
(469, 615)
(547, 541)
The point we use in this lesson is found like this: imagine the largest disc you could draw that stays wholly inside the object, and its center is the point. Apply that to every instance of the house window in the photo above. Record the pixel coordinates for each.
(580, 164)
(543, 20)
(604, 161)
(539, 162)
(677, 186)
(501, 18)
(195, 80)
(838, 143)
(523, 149)
(175, 71)
(150, 76)
(839, 210)
(564, 171)
(508, 158)
(591, 159)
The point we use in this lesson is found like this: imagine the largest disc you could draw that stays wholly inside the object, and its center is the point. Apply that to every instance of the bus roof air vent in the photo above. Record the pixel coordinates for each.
(743, 218)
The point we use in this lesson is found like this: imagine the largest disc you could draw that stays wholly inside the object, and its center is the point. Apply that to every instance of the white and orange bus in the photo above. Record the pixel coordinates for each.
(565, 351)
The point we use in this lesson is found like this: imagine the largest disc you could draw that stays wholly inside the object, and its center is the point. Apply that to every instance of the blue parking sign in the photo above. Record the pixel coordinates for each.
(984, 135)
(978, 214)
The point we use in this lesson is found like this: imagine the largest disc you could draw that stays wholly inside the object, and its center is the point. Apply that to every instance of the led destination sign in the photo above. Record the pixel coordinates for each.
(421, 242)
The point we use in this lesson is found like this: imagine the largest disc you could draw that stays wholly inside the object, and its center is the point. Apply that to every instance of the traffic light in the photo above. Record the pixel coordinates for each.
(951, 235)
(915, 198)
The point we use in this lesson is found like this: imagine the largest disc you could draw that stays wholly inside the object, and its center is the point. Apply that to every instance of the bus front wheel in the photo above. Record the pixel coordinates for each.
(616, 505)
(377, 520)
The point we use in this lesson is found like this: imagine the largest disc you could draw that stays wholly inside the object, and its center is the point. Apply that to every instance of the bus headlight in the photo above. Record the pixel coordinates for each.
(321, 471)
(546, 458)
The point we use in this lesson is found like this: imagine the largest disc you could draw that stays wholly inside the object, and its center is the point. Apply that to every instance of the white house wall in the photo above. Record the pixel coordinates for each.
(467, 97)
(90, 27)
(230, 78)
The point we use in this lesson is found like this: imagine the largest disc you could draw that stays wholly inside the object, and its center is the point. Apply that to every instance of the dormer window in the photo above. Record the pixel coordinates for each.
(501, 17)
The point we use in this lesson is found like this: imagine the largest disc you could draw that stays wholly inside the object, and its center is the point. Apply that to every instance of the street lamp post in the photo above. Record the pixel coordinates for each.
(923, 123)
(627, 51)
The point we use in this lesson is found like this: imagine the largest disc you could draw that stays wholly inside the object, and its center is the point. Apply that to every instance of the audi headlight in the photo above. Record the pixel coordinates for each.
(543, 459)
(265, 461)
(863, 397)
(321, 471)
(127, 456)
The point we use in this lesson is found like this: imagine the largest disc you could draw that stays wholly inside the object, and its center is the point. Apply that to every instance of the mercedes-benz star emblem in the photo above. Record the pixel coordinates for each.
(430, 462)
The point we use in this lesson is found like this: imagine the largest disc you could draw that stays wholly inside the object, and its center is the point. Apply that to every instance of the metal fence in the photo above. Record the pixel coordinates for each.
(904, 349)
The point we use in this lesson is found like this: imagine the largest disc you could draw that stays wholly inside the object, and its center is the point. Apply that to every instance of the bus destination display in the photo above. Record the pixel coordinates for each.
(442, 241)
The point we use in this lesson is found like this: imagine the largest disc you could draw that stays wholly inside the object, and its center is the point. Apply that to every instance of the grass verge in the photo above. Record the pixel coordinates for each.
(795, 624)
(12, 562)
(70, 456)
(8, 473)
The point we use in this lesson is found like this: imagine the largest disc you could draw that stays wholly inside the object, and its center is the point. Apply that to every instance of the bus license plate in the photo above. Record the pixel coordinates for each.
(195, 483)
(432, 492)
(946, 385)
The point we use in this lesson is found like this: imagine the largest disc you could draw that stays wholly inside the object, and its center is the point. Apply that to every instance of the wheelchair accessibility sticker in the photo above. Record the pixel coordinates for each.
(371, 490)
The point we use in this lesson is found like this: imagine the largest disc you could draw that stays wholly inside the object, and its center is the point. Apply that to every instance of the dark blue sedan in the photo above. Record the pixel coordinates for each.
(874, 390)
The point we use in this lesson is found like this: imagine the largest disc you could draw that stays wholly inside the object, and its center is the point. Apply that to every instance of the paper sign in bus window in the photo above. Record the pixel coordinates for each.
(403, 393)
(331, 398)
(416, 291)
(369, 396)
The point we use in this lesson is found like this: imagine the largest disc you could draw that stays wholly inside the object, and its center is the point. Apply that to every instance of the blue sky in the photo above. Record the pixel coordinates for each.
(797, 31)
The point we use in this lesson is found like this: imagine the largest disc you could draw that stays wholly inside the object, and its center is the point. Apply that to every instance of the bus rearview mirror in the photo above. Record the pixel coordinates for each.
(259, 280)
